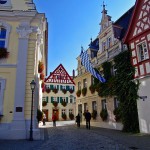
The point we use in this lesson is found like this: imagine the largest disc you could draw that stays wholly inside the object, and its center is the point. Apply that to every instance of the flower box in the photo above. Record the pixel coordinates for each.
(3, 53)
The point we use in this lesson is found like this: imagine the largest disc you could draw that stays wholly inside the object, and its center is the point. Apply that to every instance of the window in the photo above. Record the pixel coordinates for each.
(114, 70)
(84, 83)
(109, 42)
(104, 45)
(85, 107)
(79, 85)
(70, 111)
(4, 34)
(94, 105)
(142, 51)
(2, 37)
(63, 111)
(103, 104)
(55, 99)
(116, 103)
(92, 80)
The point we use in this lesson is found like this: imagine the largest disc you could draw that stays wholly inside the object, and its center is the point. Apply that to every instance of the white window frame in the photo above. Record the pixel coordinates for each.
(8, 28)
(79, 85)
(103, 104)
(2, 90)
(70, 111)
(54, 99)
(145, 54)
(63, 111)
(116, 103)
(109, 42)
(85, 83)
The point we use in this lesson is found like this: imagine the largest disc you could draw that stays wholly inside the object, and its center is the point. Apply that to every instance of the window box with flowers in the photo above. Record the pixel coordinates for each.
(117, 114)
(71, 116)
(64, 103)
(40, 67)
(44, 103)
(71, 91)
(55, 103)
(84, 91)
(64, 91)
(42, 76)
(3, 53)
(78, 93)
(94, 114)
(92, 89)
(55, 90)
(64, 116)
(48, 90)
(104, 114)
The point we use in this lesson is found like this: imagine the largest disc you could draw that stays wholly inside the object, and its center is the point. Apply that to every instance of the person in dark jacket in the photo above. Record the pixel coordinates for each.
(88, 118)
(78, 120)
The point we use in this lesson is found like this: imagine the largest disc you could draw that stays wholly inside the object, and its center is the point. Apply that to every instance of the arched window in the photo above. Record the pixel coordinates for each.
(2, 37)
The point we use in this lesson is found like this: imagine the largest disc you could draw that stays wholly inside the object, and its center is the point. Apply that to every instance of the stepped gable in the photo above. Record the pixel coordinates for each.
(59, 75)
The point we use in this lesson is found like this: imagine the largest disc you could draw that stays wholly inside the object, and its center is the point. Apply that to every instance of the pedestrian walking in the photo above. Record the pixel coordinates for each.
(54, 119)
(78, 120)
(88, 118)
(44, 119)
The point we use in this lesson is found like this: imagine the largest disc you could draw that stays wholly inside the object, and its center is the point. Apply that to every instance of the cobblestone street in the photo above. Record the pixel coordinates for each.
(72, 138)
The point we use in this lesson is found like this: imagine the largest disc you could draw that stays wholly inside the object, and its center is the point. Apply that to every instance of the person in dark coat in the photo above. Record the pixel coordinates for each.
(78, 120)
(54, 119)
(88, 118)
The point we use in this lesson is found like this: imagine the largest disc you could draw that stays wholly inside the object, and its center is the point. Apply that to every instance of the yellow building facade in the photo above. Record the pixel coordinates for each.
(103, 48)
(23, 43)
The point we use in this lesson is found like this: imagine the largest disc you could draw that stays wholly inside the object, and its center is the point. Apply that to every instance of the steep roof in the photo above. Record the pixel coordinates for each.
(60, 76)
(120, 26)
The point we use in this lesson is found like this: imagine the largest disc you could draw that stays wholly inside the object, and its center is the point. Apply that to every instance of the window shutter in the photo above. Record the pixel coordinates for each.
(51, 99)
(73, 88)
(58, 99)
(67, 88)
(58, 87)
(51, 87)
(47, 99)
(66, 99)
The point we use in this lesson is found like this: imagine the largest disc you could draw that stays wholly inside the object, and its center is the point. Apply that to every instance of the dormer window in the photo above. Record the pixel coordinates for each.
(109, 42)
(104, 45)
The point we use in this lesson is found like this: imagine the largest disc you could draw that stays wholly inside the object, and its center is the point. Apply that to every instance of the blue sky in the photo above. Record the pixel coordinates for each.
(72, 23)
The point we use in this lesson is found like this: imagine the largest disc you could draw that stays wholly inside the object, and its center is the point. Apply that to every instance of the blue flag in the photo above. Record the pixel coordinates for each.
(88, 66)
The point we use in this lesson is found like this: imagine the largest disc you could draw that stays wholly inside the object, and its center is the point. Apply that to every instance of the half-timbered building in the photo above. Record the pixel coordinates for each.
(138, 39)
(59, 95)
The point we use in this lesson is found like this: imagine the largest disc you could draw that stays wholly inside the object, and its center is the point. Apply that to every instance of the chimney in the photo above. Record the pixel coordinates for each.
(73, 73)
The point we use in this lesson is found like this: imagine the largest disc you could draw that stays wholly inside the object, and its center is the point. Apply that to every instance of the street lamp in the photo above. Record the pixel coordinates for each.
(32, 85)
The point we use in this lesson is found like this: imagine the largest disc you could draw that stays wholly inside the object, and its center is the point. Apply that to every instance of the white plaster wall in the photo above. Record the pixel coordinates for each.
(144, 105)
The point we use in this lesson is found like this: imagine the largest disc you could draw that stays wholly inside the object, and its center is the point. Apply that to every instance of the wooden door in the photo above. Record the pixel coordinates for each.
(56, 112)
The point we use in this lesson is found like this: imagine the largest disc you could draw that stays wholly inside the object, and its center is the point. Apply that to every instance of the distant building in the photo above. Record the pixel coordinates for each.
(107, 45)
(59, 95)
(138, 39)
(23, 44)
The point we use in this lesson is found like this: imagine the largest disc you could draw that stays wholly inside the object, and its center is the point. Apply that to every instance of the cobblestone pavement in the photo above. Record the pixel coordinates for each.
(72, 138)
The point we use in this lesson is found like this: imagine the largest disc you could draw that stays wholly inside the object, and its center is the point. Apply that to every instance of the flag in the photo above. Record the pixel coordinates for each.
(88, 66)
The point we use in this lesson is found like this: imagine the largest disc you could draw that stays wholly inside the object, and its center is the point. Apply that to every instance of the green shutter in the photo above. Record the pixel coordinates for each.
(51, 87)
(67, 88)
(67, 99)
(51, 99)
(47, 99)
(58, 99)
(58, 87)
